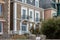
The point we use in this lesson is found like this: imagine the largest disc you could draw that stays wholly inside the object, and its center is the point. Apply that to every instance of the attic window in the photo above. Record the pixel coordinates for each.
(37, 3)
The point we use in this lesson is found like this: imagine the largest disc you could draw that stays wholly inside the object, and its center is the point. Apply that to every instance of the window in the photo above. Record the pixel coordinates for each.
(54, 0)
(24, 27)
(0, 27)
(37, 3)
(23, 12)
(54, 14)
(31, 14)
(24, 1)
(0, 9)
(37, 16)
(31, 0)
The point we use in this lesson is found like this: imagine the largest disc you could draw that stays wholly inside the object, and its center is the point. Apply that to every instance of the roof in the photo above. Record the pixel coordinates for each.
(46, 3)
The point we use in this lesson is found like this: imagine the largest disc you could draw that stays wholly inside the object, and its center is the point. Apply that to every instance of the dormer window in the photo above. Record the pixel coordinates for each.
(24, 1)
(37, 3)
(31, 0)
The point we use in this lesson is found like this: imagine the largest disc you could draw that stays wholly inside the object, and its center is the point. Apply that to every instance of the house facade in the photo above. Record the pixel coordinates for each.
(19, 16)
(26, 14)
(29, 13)
(4, 18)
(50, 13)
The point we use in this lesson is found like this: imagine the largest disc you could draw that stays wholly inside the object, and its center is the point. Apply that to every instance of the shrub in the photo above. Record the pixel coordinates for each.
(35, 31)
(51, 28)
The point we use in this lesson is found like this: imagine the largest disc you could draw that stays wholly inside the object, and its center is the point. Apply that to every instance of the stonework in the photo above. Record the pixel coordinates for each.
(12, 17)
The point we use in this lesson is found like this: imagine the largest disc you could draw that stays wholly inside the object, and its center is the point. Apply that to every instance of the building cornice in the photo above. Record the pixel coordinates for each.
(28, 5)
(50, 9)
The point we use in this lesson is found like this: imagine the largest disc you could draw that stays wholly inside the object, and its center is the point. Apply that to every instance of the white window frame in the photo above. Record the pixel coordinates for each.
(23, 8)
(25, 1)
(38, 15)
(1, 28)
(38, 3)
(32, 15)
(21, 32)
(24, 25)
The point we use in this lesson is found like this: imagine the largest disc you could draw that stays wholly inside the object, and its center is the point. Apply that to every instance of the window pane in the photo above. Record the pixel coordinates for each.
(30, 14)
(0, 9)
(37, 17)
(37, 3)
(54, 14)
(24, 1)
(24, 13)
(0, 26)
(24, 27)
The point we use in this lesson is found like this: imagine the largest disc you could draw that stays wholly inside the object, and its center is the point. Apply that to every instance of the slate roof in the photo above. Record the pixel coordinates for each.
(46, 3)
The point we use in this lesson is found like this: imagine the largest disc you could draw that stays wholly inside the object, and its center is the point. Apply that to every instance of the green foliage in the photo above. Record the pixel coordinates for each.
(32, 30)
(51, 28)
(35, 31)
